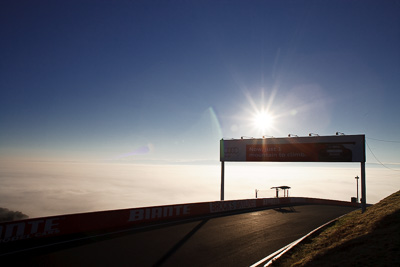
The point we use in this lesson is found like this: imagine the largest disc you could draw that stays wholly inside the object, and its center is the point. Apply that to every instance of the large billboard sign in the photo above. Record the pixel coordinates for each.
(338, 148)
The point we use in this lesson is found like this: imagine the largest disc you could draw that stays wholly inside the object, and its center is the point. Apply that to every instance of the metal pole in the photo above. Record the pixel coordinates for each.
(357, 187)
(222, 179)
(363, 189)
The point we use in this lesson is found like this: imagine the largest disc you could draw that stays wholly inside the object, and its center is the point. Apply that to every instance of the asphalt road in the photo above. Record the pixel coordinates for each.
(236, 240)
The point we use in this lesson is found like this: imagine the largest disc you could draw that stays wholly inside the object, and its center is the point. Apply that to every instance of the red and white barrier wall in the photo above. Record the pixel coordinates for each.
(94, 221)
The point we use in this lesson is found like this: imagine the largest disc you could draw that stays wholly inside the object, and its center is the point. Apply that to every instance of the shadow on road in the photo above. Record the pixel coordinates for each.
(179, 244)
(285, 210)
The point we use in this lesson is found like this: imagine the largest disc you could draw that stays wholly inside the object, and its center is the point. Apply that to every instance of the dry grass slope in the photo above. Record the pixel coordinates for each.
(368, 239)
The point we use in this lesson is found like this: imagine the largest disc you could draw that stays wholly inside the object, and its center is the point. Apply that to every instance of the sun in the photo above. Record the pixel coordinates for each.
(263, 120)
(260, 116)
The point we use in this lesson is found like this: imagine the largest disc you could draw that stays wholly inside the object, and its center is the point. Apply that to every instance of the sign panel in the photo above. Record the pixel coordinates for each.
(338, 148)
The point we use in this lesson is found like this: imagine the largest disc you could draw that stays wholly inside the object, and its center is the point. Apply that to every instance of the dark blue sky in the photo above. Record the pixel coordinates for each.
(99, 79)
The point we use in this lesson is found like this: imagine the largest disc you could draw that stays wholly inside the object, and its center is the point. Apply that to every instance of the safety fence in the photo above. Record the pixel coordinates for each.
(96, 221)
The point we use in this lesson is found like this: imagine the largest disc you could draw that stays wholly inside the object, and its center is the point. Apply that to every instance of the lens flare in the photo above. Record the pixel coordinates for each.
(143, 150)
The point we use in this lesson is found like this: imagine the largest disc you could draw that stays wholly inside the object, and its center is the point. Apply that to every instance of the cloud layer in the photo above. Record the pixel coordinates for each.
(49, 188)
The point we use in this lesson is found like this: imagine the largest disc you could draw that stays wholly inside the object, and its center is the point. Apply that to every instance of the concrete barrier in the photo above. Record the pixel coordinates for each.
(103, 220)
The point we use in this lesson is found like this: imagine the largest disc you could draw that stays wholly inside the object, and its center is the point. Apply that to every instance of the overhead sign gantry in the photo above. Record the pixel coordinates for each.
(337, 148)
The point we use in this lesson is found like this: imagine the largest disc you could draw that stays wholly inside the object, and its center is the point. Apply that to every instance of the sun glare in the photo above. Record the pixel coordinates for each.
(260, 116)
(263, 121)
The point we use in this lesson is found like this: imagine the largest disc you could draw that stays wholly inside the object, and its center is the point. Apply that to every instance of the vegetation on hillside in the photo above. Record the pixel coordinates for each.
(9, 215)
(357, 239)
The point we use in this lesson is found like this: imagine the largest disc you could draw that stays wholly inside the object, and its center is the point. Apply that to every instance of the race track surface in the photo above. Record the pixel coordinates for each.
(235, 240)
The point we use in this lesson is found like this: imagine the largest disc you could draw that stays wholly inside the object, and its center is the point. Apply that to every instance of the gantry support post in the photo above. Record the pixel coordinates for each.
(363, 189)
(222, 179)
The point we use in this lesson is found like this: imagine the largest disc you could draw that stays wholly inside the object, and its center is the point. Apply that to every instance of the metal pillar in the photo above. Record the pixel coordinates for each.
(363, 189)
(222, 179)
(357, 187)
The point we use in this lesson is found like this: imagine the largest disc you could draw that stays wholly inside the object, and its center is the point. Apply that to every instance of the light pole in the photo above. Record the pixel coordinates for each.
(357, 186)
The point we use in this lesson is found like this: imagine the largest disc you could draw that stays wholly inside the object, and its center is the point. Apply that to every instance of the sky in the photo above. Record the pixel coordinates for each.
(139, 93)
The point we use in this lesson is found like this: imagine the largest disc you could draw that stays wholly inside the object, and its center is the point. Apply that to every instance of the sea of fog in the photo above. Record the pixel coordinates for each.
(52, 188)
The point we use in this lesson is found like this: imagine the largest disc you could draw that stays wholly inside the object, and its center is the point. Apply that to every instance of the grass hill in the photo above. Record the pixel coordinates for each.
(357, 239)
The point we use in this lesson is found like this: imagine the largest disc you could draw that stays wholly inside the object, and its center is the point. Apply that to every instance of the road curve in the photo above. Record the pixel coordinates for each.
(235, 240)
